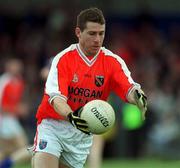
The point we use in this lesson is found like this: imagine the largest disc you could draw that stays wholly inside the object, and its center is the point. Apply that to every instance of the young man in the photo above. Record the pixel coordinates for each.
(80, 73)
(22, 155)
(12, 106)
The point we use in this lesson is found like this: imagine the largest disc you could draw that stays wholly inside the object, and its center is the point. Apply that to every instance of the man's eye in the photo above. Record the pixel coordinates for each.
(101, 34)
(91, 33)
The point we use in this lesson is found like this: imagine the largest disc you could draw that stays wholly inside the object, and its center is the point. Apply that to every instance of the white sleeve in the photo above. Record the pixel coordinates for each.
(52, 86)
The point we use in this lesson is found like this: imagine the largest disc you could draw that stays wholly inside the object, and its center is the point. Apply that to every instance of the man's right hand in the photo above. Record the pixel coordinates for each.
(77, 122)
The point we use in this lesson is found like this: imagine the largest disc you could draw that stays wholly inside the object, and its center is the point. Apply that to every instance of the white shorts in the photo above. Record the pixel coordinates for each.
(61, 139)
(10, 127)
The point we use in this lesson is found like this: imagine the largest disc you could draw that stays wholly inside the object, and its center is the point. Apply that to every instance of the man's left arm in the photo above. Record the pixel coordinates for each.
(125, 87)
(136, 96)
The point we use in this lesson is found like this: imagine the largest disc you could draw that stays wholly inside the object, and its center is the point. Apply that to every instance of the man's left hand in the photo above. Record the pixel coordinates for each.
(141, 102)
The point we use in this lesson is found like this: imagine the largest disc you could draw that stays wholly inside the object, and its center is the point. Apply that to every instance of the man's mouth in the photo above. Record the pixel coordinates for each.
(96, 47)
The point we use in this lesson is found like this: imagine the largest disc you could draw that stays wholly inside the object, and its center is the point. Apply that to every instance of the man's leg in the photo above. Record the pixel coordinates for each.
(96, 153)
(7, 146)
(45, 160)
(61, 165)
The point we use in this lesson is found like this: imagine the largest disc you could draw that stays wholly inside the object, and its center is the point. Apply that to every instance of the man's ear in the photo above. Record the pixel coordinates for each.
(78, 32)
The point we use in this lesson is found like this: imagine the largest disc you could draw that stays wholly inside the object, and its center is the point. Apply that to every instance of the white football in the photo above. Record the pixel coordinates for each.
(99, 115)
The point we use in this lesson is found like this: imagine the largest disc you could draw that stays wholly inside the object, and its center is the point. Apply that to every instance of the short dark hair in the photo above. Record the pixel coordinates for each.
(90, 15)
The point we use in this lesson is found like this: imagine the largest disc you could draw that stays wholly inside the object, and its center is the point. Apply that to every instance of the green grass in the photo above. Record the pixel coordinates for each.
(140, 163)
(146, 163)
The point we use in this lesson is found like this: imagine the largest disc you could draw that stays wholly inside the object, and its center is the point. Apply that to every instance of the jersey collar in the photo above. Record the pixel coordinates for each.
(85, 58)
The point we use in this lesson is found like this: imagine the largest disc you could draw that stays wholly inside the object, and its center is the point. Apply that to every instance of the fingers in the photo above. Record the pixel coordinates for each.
(141, 102)
(79, 123)
(78, 112)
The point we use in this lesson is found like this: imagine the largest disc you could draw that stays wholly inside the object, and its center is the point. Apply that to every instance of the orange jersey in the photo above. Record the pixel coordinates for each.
(77, 79)
(11, 92)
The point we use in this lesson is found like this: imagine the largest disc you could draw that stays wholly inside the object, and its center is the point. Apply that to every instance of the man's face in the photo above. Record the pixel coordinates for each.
(91, 38)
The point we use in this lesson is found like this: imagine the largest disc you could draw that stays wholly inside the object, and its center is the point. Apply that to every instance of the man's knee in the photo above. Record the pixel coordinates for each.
(45, 160)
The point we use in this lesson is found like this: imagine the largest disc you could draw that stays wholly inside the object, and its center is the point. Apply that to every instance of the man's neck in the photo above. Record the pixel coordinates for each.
(84, 51)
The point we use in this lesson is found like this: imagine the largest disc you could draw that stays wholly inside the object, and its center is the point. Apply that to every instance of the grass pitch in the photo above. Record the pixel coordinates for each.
(139, 163)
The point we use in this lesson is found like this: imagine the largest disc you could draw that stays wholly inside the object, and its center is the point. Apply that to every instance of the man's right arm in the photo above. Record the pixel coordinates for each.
(63, 109)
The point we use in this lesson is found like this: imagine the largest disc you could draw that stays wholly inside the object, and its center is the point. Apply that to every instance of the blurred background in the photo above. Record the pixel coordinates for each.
(145, 33)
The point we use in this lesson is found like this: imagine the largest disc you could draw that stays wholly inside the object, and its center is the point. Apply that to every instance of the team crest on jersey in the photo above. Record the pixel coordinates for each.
(42, 144)
(75, 78)
(99, 81)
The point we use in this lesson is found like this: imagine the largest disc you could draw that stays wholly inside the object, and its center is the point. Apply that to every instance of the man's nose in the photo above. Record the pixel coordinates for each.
(97, 38)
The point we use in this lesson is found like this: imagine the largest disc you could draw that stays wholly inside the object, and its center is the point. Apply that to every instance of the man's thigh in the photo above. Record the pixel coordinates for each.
(62, 140)
(45, 160)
